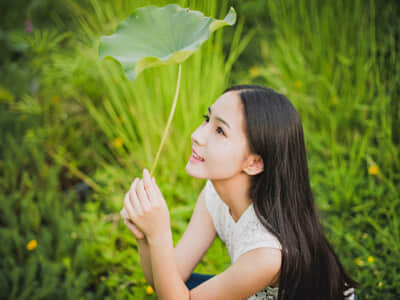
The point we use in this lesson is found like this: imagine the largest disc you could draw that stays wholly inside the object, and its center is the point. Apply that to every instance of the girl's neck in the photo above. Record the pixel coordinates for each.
(234, 193)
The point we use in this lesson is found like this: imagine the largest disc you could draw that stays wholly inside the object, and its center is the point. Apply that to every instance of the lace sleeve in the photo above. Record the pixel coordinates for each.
(251, 235)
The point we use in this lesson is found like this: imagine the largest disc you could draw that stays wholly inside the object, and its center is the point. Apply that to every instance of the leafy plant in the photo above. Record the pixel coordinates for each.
(153, 36)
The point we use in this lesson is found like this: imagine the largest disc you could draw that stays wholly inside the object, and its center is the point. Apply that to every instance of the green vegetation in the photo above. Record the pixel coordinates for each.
(75, 133)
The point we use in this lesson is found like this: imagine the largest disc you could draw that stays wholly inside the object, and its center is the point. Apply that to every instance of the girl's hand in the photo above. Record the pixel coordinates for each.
(131, 226)
(135, 231)
(146, 207)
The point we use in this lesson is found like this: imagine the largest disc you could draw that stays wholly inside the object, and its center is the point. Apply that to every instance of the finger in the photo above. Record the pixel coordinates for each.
(149, 188)
(134, 183)
(160, 196)
(137, 206)
(143, 196)
(128, 207)
(136, 232)
(124, 215)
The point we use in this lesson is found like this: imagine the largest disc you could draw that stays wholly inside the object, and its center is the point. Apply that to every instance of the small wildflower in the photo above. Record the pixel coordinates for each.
(255, 71)
(273, 70)
(118, 142)
(373, 170)
(298, 84)
(359, 261)
(149, 290)
(334, 100)
(380, 284)
(142, 280)
(371, 259)
(28, 26)
(55, 99)
(31, 245)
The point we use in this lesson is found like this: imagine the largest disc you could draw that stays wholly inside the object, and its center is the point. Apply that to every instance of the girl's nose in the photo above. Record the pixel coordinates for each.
(197, 137)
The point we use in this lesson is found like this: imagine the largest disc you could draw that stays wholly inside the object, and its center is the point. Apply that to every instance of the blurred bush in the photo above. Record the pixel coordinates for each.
(71, 125)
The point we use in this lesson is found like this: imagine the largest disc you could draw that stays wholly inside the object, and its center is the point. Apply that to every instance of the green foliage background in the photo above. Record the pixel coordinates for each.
(75, 133)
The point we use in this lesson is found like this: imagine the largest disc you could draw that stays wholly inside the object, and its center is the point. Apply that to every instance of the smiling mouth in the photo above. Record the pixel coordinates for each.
(196, 157)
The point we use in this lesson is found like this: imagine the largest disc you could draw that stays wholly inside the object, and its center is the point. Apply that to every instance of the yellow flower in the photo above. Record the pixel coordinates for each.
(380, 284)
(255, 71)
(149, 290)
(117, 142)
(371, 259)
(359, 261)
(55, 99)
(298, 84)
(373, 170)
(334, 100)
(31, 245)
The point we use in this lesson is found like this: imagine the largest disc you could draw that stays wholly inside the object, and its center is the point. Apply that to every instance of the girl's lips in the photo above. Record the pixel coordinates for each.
(195, 160)
(194, 152)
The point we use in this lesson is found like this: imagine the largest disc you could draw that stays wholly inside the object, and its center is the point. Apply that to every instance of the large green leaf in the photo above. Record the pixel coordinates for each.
(153, 36)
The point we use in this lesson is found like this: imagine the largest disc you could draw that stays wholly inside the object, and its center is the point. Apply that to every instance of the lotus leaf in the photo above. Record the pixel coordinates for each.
(153, 36)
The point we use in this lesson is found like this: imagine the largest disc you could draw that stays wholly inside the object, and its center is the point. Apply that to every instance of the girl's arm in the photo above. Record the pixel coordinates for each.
(252, 272)
(167, 279)
(197, 239)
(143, 249)
(145, 261)
(194, 243)
(162, 252)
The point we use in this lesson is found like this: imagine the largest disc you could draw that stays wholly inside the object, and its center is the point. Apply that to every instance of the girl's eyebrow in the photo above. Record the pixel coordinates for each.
(219, 119)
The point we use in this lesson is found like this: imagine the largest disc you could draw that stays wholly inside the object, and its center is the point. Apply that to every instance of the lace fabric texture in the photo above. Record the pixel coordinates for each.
(239, 237)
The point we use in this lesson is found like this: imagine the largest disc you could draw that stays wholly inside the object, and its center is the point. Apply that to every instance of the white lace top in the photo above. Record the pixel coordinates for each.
(239, 237)
(244, 235)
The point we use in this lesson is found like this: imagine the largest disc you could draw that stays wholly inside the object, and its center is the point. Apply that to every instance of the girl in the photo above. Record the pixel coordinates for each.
(257, 198)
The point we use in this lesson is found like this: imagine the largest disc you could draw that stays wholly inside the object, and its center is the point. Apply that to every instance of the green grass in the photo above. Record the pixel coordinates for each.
(83, 120)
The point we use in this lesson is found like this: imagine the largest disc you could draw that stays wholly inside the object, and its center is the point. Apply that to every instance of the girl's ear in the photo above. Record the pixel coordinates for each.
(255, 165)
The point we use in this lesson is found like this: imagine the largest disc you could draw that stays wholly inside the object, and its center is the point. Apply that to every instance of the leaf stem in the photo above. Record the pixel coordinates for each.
(171, 114)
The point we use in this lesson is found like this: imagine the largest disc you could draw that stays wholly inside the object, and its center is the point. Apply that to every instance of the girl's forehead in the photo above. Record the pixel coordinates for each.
(229, 108)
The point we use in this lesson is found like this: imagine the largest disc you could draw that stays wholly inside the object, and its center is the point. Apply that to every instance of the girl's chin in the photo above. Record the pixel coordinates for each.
(190, 169)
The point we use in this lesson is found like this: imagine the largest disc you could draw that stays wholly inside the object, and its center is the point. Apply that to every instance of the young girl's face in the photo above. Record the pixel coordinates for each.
(220, 140)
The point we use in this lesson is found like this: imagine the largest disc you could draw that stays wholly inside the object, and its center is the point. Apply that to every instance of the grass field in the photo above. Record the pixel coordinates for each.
(75, 132)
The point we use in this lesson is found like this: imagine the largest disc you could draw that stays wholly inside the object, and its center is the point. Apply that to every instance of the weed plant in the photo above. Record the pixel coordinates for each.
(84, 120)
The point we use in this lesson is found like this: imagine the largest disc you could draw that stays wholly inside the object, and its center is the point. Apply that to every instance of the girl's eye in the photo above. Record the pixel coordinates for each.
(206, 118)
(219, 129)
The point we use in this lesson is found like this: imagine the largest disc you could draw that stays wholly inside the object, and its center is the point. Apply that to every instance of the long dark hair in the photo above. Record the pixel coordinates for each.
(283, 200)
